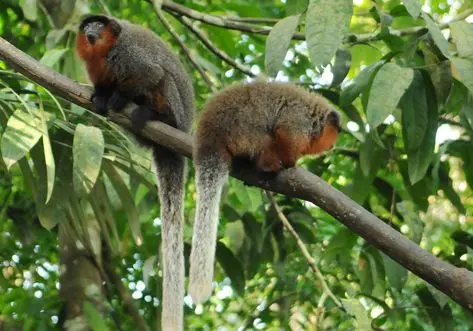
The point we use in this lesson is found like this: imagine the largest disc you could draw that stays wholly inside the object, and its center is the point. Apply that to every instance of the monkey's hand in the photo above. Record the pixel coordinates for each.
(118, 101)
(99, 104)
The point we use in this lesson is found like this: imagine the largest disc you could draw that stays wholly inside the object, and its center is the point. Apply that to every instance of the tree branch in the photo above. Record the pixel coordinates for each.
(239, 25)
(212, 47)
(295, 182)
(167, 26)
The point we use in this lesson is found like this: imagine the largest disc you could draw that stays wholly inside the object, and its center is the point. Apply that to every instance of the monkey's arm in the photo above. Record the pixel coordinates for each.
(137, 74)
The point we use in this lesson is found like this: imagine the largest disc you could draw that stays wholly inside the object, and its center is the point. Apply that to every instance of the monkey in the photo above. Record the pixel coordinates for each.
(271, 125)
(128, 63)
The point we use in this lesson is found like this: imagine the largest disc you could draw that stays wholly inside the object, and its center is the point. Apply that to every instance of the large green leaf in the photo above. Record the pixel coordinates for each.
(388, 87)
(358, 84)
(462, 35)
(414, 113)
(396, 273)
(465, 69)
(436, 34)
(418, 160)
(278, 42)
(327, 23)
(355, 308)
(30, 9)
(231, 266)
(88, 152)
(21, 134)
(341, 67)
(414, 7)
(294, 7)
(48, 156)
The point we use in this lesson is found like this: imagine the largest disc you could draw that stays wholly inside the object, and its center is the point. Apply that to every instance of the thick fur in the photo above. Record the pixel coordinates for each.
(270, 124)
(129, 63)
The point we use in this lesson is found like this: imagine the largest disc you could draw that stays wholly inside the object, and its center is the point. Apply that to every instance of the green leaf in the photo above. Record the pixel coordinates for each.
(436, 34)
(88, 149)
(440, 317)
(51, 57)
(327, 23)
(294, 7)
(462, 35)
(467, 109)
(418, 161)
(278, 42)
(355, 308)
(359, 83)
(370, 153)
(396, 273)
(231, 266)
(48, 157)
(389, 85)
(127, 201)
(465, 70)
(95, 319)
(414, 113)
(20, 135)
(413, 7)
(440, 73)
(341, 67)
(30, 9)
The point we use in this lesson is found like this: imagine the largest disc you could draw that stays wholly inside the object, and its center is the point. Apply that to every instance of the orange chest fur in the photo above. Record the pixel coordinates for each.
(95, 58)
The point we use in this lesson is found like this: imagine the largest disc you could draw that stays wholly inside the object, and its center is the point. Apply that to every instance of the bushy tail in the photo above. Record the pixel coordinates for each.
(211, 174)
(171, 177)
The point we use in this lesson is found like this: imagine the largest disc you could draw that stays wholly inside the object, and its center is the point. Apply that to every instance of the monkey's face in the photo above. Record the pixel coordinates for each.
(325, 140)
(97, 34)
(99, 29)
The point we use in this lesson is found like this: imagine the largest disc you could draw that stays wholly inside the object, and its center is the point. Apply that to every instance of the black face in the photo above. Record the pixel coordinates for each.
(334, 118)
(93, 26)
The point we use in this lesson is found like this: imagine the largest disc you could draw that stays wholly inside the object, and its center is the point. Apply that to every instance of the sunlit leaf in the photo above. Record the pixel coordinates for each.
(389, 85)
(48, 157)
(353, 90)
(278, 42)
(462, 35)
(414, 7)
(327, 23)
(88, 152)
(436, 34)
(30, 9)
(355, 308)
(51, 57)
(21, 134)
(294, 7)
(465, 71)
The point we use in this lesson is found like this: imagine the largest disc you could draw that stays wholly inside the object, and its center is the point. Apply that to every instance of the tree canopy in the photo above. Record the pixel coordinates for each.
(80, 233)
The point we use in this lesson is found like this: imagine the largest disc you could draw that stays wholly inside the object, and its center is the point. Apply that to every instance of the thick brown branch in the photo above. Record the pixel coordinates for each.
(295, 182)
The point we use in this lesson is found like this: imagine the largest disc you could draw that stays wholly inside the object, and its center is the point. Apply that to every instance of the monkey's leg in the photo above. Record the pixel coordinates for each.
(99, 99)
(268, 160)
(212, 168)
(171, 175)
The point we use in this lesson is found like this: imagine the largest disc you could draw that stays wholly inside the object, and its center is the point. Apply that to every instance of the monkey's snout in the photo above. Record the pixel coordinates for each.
(91, 38)
(334, 118)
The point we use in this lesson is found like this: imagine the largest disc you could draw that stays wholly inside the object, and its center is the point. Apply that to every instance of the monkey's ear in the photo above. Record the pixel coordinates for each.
(115, 27)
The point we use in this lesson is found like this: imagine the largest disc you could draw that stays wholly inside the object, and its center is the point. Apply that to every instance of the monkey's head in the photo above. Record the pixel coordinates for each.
(97, 34)
(327, 131)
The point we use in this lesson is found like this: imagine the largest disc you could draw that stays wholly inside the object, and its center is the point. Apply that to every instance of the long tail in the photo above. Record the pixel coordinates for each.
(171, 176)
(211, 174)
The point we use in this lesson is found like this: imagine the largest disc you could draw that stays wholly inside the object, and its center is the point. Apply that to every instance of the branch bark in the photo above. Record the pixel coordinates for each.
(295, 182)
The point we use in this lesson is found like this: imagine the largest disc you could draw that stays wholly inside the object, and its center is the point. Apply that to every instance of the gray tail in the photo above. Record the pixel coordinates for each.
(211, 174)
(171, 177)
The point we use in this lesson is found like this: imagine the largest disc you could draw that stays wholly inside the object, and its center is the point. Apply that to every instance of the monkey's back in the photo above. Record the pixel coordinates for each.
(244, 114)
(179, 90)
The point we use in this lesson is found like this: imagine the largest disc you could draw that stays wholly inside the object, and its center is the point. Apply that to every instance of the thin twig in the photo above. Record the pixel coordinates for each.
(125, 295)
(304, 250)
(212, 47)
(164, 21)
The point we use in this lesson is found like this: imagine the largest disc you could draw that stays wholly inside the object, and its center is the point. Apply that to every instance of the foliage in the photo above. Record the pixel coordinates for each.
(406, 95)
